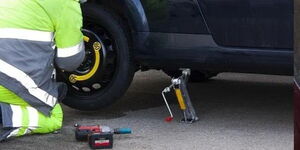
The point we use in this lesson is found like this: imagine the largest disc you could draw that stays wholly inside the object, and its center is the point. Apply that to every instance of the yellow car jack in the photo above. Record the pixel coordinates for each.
(179, 85)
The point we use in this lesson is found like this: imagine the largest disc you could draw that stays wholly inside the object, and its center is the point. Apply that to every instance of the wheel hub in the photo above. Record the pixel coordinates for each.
(88, 73)
(96, 70)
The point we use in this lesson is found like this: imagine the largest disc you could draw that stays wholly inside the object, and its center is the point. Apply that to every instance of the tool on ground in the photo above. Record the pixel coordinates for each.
(99, 137)
(179, 85)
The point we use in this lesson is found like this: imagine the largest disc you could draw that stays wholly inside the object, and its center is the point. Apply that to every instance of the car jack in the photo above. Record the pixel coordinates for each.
(179, 85)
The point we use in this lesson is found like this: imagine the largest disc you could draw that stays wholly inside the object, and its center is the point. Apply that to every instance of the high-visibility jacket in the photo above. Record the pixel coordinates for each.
(29, 32)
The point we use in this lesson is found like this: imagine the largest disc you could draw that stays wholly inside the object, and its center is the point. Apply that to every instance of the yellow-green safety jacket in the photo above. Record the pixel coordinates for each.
(33, 35)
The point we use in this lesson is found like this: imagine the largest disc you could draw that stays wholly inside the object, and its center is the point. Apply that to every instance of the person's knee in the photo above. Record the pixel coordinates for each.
(52, 123)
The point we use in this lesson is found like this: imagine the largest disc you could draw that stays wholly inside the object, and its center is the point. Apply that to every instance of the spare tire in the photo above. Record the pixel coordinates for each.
(94, 89)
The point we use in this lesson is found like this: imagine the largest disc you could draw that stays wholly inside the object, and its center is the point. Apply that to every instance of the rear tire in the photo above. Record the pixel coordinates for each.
(94, 17)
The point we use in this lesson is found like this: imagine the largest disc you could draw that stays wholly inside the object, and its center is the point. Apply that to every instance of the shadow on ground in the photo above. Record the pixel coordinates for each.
(224, 92)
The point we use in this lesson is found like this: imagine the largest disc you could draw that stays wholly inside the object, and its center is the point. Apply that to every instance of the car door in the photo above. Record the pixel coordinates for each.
(250, 23)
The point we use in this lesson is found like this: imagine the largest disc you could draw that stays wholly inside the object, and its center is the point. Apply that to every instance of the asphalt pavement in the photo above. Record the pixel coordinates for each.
(237, 112)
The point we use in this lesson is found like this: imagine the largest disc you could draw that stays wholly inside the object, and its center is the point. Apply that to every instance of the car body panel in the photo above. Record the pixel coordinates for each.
(174, 16)
(169, 50)
(250, 23)
(186, 33)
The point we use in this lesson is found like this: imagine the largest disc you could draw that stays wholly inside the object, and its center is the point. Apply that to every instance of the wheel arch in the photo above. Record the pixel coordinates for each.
(130, 14)
(130, 11)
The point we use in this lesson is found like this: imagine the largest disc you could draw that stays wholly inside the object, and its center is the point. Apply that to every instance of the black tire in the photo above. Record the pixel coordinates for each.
(196, 76)
(124, 67)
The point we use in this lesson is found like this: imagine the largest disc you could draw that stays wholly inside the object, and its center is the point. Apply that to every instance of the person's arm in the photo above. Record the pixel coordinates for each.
(69, 38)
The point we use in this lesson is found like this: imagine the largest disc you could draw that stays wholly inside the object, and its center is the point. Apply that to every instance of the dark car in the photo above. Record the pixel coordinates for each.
(207, 36)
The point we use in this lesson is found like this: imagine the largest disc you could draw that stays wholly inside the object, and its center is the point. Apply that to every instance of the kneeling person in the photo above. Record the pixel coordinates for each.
(29, 32)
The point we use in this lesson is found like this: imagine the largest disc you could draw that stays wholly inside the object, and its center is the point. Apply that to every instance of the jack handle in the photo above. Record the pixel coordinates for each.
(166, 90)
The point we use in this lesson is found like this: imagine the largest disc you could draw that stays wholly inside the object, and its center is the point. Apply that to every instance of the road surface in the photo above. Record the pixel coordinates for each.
(237, 111)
